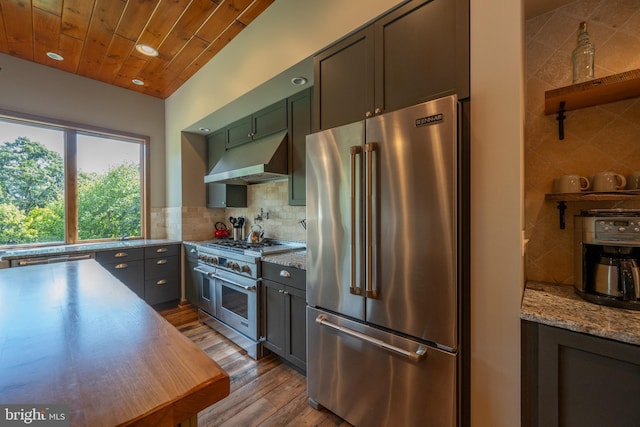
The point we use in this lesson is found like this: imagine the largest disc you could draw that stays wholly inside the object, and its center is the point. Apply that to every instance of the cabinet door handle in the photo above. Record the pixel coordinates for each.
(121, 266)
(280, 291)
(285, 273)
(161, 261)
(161, 282)
(121, 255)
(378, 110)
(161, 250)
(368, 114)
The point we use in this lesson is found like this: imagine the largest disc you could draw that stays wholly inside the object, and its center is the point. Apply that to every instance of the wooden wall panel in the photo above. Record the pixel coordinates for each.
(76, 16)
(97, 38)
(19, 28)
(46, 32)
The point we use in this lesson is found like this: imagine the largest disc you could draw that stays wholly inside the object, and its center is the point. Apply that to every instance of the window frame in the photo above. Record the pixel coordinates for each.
(71, 130)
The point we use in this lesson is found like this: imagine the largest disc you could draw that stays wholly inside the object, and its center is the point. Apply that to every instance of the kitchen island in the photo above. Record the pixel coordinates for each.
(72, 334)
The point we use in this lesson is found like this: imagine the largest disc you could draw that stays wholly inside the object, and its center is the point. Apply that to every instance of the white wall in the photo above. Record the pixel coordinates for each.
(35, 89)
(497, 114)
(282, 36)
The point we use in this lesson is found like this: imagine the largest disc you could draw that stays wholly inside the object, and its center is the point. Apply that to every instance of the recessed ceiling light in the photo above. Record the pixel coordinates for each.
(146, 50)
(137, 82)
(299, 81)
(204, 129)
(55, 56)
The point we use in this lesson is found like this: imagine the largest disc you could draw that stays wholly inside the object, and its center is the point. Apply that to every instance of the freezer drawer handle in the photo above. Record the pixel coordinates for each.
(416, 356)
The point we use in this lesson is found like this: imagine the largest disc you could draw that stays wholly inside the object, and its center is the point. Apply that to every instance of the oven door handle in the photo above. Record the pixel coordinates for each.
(205, 272)
(231, 282)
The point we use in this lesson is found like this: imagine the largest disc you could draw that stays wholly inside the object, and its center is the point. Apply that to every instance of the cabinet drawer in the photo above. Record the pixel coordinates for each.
(161, 290)
(289, 276)
(128, 254)
(161, 251)
(161, 267)
(129, 272)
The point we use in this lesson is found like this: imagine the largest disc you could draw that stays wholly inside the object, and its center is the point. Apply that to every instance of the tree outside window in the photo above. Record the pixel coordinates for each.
(106, 186)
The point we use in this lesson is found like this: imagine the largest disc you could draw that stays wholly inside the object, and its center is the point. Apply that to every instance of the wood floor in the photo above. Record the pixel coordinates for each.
(263, 393)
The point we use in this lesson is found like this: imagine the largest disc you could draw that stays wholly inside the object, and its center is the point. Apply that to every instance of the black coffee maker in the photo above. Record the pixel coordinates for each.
(607, 244)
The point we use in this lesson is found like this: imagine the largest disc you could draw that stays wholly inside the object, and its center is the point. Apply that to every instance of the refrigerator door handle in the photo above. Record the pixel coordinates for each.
(354, 287)
(371, 291)
(414, 356)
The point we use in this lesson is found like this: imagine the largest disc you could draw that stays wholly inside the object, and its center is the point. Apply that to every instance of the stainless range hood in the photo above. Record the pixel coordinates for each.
(252, 163)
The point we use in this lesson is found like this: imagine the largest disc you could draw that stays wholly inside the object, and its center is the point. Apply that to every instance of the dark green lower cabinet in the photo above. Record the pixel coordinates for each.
(152, 272)
(571, 379)
(127, 265)
(131, 273)
(284, 316)
(190, 275)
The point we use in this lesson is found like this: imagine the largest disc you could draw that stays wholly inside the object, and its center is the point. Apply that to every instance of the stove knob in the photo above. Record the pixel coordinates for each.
(235, 266)
(229, 264)
(246, 269)
(214, 260)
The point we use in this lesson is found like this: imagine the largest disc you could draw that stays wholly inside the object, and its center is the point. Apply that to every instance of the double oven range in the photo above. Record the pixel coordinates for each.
(230, 288)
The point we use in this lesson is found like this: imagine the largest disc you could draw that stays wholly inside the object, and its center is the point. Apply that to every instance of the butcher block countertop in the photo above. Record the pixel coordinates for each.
(560, 306)
(71, 334)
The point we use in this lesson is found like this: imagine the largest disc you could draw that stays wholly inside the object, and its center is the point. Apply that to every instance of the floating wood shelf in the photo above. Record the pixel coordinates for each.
(588, 94)
(589, 196)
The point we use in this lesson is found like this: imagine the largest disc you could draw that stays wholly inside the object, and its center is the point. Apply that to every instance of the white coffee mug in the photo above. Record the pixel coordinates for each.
(608, 181)
(633, 181)
(570, 184)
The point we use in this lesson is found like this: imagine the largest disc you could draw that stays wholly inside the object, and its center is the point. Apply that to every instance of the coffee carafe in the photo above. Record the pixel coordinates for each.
(616, 274)
(607, 257)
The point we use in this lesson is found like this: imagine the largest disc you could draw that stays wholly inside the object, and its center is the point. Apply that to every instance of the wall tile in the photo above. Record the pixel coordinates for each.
(605, 137)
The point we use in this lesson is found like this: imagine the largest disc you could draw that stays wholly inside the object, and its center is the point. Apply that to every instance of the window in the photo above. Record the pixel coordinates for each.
(63, 183)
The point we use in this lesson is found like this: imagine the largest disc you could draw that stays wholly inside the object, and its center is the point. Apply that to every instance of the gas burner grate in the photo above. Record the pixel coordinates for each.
(239, 244)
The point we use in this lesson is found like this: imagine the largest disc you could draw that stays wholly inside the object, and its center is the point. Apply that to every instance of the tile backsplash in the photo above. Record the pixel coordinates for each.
(195, 223)
(597, 139)
(283, 221)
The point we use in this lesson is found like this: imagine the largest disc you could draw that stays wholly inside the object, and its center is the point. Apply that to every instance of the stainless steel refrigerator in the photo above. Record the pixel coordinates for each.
(385, 267)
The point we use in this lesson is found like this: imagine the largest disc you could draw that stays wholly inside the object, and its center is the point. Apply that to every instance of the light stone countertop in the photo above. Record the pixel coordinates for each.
(290, 259)
(79, 248)
(560, 306)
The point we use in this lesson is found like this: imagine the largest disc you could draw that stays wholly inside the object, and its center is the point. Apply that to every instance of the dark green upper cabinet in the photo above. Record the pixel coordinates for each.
(239, 132)
(417, 52)
(262, 123)
(299, 128)
(222, 195)
(293, 114)
(343, 76)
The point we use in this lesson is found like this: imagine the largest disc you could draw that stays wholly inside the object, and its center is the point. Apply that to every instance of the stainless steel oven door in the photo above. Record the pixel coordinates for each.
(206, 288)
(236, 300)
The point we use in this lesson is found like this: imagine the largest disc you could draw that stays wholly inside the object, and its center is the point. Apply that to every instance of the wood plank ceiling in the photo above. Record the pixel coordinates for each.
(97, 38)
